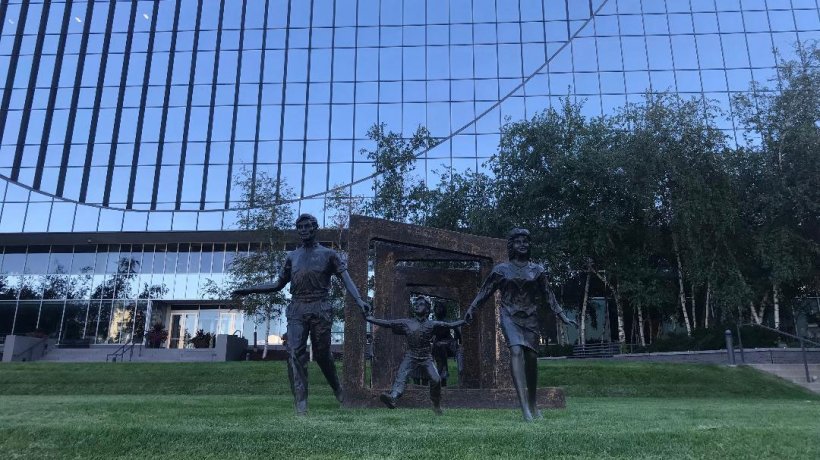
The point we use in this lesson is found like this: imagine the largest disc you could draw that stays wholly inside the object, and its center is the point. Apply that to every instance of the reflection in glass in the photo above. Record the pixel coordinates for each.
(7, 310)
(121, 328)
(99, 320)
(74, 320)
(51, 313)
(229, 322)
(26, 321)
(183, 327)
(208, 320)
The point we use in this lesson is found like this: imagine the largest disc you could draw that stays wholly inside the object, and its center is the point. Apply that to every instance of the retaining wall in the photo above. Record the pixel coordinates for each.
(750, 356)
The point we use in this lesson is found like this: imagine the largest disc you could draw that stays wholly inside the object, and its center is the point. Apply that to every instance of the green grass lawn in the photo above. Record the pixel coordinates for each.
(231, 410)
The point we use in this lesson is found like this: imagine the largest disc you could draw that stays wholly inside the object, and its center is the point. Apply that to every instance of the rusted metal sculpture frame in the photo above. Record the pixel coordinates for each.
(487, 375)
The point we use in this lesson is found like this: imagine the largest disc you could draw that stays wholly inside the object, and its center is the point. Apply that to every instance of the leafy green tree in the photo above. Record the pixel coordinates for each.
(268, 218)
(653, 202)
(119, 285)
(464, 202)
(682, 186)
(399, 194)
(340, 204)
(778, 182)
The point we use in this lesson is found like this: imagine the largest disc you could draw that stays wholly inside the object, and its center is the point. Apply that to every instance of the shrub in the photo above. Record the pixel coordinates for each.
(157, 336)
(714, 339)
(202, 339)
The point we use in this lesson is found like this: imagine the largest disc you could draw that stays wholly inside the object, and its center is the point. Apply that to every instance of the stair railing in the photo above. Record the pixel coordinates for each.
(30, 350)
(127, 347)
(801, 339)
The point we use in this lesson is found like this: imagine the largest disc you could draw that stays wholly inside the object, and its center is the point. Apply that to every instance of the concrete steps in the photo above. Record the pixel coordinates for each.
(161, 355)
(146, 355)
(795, 373)
(78, 355)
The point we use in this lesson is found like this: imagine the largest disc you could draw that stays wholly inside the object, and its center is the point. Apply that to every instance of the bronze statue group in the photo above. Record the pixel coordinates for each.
(521, 284)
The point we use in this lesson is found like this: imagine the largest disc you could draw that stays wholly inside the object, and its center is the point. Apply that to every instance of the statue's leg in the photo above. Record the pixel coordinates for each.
(517, 368)
(389, 398)
(297, 363)
(435, 386)
(440, 350)
(460, 365)
(531, 368)
(320, 340)
(403, 373)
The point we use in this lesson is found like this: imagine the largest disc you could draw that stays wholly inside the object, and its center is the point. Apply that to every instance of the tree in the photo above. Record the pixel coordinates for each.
(778, 181)
(267, 216)
(340, 204)
(464, 202)
(684, 188)
(120, 285)
(399, 195)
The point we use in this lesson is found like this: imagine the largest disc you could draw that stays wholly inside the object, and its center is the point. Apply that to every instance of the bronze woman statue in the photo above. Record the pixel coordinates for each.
(523, 285)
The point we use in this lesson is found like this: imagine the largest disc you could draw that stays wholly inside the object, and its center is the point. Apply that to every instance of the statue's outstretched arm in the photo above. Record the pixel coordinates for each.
(282, 280)
(487, 289)
(398, 326)
(380, 322)
(450, 324)
(553, 302)
(262, 288)
(354, 292)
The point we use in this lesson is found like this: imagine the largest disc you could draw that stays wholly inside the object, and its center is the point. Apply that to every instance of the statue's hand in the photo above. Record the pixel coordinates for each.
(566, 320)
(468, 317)
(366, 308)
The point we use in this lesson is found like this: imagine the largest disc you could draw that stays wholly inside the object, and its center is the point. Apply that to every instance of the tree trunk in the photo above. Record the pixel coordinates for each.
(694, 310)
(706, 305)
(755, 316)
(620, 313)
(776, 303)
(640, 327)
(558, 334)
(681, 289)
(267, 335)
(582, 322)
(618, 307)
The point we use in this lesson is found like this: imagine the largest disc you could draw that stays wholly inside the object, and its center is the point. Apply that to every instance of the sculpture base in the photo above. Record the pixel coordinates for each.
(417, 396)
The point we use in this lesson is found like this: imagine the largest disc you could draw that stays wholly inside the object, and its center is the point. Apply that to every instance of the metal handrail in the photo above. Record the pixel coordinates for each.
(600, 350)
(127, 347)
(782, 333)
(801, 339)
(31, 348)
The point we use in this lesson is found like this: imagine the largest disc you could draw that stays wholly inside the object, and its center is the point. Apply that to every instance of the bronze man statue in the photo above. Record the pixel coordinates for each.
(420, 331)
(308, 270)
(522, 283)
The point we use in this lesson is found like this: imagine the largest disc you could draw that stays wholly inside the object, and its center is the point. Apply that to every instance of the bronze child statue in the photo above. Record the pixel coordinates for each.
(420, 332)
(524, 286)
(447, 343)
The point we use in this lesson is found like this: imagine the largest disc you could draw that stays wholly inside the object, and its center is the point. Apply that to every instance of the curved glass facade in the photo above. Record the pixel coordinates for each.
(108, 293)
(139, 115)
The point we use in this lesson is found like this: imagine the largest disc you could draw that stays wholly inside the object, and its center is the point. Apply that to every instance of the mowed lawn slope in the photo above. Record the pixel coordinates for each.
(243, 410)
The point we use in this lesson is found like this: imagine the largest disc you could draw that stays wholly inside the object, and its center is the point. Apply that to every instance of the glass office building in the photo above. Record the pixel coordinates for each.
(124, 124)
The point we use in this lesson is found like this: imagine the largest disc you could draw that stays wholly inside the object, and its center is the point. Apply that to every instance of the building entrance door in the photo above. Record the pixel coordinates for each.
(183, 328)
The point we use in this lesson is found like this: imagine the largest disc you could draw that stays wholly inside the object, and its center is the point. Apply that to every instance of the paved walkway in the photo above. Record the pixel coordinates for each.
(795, 373)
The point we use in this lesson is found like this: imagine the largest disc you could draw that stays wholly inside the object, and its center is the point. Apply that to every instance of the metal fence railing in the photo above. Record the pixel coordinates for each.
(802, 340)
